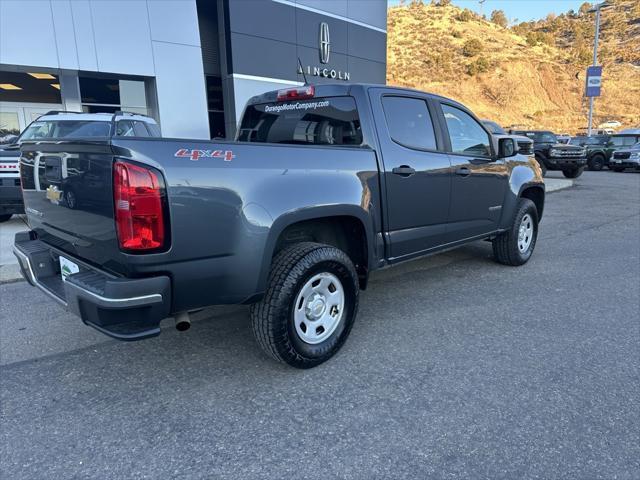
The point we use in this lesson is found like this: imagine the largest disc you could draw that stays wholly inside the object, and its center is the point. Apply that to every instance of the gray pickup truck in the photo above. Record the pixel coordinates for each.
(322, 186)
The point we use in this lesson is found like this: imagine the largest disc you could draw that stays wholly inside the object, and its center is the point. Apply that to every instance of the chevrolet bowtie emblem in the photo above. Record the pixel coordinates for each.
(54, 194)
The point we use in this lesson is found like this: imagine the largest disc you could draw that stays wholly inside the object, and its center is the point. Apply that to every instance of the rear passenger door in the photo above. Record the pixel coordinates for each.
(416, 172)
(479, 180)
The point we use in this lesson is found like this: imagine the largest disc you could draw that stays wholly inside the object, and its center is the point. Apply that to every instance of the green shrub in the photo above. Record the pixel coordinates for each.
(465, 15)
(479, 65)
(533, 38)
(499, 18)
(472, 47)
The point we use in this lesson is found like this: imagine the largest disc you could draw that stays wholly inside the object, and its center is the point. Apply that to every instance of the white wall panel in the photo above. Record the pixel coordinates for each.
(65, 34)
(174, 21)
(19, 43)
(182, 98)
(337, 7)
(122, 36)
(83, 26)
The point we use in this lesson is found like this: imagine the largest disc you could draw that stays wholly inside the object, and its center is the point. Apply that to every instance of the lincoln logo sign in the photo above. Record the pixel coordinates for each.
(325, 43)
(325, 53)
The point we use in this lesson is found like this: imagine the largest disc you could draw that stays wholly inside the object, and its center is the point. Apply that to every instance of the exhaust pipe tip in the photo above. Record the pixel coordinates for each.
(183, 322)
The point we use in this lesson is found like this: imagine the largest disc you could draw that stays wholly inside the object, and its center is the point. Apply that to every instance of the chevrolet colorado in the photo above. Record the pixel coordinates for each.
(323, 185)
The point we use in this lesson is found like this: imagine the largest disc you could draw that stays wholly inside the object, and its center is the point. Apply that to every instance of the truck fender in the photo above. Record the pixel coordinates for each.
(312, 213)
(522, 178)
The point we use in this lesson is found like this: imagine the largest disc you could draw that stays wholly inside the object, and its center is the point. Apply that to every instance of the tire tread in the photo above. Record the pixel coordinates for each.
(505, 248)
(266, 316)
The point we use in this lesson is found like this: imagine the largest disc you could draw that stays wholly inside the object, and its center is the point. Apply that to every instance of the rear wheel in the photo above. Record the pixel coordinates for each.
(596, 163)
(573, 173)
(309, 307)
(515, 246)
(6, 217)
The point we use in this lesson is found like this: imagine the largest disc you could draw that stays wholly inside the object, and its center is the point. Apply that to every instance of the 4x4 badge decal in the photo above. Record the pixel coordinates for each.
(196, 155)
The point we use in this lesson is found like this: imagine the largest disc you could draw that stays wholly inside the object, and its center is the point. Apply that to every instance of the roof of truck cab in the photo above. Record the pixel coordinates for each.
(345, 89)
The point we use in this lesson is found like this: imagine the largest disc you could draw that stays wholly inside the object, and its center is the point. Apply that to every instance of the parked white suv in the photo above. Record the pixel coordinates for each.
(60, 125)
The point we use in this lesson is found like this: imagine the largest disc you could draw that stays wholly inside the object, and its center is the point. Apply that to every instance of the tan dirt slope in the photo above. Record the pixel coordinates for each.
(514, 79)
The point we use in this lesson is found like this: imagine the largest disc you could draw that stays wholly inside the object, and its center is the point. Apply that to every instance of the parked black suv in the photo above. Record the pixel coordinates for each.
(600, 148)
(552, 155)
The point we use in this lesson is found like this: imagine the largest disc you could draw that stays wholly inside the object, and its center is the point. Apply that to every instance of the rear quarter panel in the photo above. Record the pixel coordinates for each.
(226, 215)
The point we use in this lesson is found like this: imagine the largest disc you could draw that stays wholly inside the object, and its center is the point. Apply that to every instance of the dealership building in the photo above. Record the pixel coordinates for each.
(190, 64)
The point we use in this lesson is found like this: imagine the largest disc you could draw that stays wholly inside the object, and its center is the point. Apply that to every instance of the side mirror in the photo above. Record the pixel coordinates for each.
(507, 147)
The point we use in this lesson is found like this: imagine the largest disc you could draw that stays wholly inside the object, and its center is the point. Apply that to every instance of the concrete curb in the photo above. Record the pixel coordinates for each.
(10, 273)
(555, 184)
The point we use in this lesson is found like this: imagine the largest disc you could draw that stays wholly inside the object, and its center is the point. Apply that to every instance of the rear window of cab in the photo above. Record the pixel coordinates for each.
(317, 121)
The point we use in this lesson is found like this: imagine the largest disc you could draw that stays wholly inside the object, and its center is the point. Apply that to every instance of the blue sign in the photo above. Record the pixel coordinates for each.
(594, 81)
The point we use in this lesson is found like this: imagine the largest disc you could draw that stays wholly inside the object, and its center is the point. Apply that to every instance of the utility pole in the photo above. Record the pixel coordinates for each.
(481, 2)
(596, 9)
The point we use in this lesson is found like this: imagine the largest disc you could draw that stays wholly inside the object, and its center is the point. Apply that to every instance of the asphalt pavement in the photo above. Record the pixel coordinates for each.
(457, 367)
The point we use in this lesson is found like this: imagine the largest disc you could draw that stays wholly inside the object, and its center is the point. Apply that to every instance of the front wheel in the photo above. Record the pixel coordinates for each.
(596, 163)
(515, 246)
(573, 173)
(309, 307)
(6, 217)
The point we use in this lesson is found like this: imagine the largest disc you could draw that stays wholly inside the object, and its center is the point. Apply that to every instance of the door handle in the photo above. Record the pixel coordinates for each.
(463, 171)
(403, 170)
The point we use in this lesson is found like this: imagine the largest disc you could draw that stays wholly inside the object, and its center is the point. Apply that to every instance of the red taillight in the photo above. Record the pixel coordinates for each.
(138, 196)
(296, 93)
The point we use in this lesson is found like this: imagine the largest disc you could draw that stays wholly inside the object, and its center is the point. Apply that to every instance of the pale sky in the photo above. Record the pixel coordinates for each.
(523, 10)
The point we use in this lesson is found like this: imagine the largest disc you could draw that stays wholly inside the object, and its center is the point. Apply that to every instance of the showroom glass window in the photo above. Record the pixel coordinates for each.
(466, 134)
(113, 94)
(409, 122)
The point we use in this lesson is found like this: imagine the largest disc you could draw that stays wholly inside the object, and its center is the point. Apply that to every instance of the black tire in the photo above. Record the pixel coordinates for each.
(596, 163)
(617, 169)
(573, 173)
(273, 317)
(505, 245)
(5, 217)
(543, 167)
(71, 199)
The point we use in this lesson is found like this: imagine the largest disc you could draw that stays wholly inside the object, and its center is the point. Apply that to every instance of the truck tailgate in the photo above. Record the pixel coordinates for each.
(67, 188)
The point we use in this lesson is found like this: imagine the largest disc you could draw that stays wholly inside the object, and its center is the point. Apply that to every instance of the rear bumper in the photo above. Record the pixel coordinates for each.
(126, 309)
(10, 197)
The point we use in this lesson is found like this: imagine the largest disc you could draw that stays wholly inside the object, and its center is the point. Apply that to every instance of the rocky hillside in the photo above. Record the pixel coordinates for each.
(531, 74)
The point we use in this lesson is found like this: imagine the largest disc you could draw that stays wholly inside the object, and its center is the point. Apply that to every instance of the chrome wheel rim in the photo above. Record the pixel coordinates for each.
(525, 233)
(319, 308)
